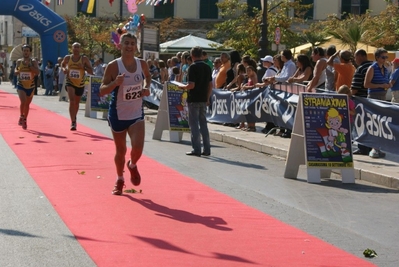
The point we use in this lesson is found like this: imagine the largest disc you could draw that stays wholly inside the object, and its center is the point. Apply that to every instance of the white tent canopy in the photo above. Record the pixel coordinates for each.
(187, 42)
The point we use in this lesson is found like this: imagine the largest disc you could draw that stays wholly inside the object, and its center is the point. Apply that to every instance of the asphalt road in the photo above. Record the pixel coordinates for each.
(350, 216)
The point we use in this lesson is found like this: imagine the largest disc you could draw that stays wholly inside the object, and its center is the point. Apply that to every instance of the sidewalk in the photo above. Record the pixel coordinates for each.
(383, 172)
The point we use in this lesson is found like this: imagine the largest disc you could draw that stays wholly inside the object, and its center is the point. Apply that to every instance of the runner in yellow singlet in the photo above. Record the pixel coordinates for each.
(75, 66)
(26, 69)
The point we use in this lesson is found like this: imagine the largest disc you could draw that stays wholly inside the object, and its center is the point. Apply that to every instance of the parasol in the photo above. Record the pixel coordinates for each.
(16, 53)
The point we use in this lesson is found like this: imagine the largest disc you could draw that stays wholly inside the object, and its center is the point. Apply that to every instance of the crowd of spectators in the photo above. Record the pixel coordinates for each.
(326, 70)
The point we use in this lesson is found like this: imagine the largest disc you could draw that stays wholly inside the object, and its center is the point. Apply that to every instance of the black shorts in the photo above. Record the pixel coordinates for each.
(78, 90)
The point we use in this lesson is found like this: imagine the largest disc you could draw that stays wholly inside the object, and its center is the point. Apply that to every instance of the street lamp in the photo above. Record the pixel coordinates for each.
(263, 42)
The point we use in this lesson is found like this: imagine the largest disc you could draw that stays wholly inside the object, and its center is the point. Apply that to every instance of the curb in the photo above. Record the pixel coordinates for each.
(360, 174)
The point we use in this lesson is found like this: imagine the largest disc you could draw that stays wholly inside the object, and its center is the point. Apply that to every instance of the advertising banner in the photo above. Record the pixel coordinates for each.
(97, 102)
(326, 124)
(177, 108)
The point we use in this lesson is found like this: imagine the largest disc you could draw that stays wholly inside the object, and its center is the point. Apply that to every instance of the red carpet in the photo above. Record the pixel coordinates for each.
(175, 222)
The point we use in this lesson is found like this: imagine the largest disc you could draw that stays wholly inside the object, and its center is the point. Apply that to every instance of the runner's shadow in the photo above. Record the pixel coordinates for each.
(16, 233)
(161, 244)
(181, 215)
(42, 134)
(92, 136)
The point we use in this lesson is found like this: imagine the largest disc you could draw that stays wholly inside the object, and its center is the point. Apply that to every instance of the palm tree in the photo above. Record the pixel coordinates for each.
(352, 31)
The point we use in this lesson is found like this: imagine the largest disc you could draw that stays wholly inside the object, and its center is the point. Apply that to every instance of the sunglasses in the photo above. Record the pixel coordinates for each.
(384, 57)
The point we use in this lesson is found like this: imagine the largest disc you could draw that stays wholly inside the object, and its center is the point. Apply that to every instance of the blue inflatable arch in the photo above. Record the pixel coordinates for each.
(49, 25)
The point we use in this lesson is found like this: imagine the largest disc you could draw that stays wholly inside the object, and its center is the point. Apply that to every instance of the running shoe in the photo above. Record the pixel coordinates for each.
(24, 125)
(21, 118)
(119, 185)
(73, 126)
(135, 177)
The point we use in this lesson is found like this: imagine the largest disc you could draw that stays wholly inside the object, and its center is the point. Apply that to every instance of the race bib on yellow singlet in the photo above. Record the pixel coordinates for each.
(75, 74)
(131, 92)
(25, 76)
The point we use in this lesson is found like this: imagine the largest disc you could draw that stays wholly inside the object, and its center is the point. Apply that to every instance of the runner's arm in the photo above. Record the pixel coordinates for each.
(111, 79)
(87, 65)
(147, 76)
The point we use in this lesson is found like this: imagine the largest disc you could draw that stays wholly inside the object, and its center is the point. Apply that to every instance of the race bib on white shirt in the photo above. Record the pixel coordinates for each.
(131, 92)
(25, 76)
(75, 74)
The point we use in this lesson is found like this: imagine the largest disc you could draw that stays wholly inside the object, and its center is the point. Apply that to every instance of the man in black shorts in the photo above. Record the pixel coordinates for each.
(75, 66)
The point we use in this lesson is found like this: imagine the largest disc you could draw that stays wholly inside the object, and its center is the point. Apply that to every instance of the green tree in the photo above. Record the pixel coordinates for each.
(94, 33)
(241, 31)
(169, 29)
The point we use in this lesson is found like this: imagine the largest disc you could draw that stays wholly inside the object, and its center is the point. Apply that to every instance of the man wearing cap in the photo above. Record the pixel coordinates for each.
(345, 69)
(271, 71)
(394, 81)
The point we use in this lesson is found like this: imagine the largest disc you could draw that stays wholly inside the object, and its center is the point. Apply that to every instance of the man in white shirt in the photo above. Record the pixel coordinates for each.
(288, 70)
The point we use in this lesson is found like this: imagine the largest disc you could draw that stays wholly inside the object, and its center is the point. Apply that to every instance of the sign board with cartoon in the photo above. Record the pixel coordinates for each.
(172, 113)
(94, 102)
(322, 134)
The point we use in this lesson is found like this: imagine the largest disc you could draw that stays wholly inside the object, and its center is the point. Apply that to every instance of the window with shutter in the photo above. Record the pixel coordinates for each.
(163, 11)
(253, 4)
(208, 9)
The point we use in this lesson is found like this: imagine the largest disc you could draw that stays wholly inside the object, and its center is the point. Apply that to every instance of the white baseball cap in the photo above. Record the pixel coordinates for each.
(267, 58)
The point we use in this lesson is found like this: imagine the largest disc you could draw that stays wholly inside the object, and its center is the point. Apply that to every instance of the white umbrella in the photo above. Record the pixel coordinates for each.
(16, 53)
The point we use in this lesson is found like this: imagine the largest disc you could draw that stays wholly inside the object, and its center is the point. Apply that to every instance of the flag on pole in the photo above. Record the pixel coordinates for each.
(60, 2)
(88, 6)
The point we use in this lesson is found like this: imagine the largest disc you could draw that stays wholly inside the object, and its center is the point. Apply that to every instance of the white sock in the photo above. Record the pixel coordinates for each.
(131, 165)
(120, 178)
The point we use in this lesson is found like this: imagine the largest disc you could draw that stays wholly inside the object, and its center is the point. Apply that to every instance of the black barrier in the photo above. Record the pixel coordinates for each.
(376, 122)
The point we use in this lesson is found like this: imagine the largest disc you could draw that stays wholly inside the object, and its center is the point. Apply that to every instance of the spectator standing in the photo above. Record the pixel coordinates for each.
(199, 91)
(231, 75)
(98, 68)
(2, 71)
(304, 70)
(358, 89)
(49, 78)
(163, 71)
(153, 69)
(206, 59)
(11, 75)
(216, 67)
(252, 80)
(222, 75)
(319, 71)
(60, 76)
(271, 71)
(344, 70)
(330, 71)
(394, 81)
(288, 70)
(184, 67)
(377, 82)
